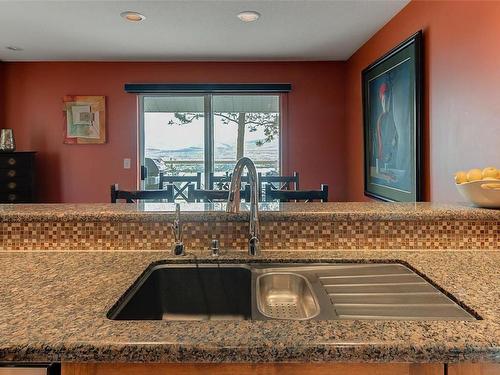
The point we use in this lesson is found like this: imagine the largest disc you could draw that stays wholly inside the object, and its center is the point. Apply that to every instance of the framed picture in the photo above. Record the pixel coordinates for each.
(84, 119)
(392, 116)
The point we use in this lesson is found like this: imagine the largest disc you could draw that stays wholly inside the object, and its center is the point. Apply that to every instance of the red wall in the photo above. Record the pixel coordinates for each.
(462, 90)
(314, 133)
(323, 135)
(2, 86)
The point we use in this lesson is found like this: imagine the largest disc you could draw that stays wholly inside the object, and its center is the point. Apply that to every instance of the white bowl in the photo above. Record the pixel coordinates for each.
(482, 193)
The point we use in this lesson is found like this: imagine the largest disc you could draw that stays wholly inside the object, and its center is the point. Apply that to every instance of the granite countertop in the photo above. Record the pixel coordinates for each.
(201, 212)
(53, 307)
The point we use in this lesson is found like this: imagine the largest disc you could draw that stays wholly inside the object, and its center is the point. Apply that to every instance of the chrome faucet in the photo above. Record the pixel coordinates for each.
(234, 200)
(178, 248)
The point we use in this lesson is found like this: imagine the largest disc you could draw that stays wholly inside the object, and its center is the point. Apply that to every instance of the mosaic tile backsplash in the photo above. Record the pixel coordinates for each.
(277, 235)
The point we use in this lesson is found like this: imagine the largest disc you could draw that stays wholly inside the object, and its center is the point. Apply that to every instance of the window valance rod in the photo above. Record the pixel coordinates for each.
(151, 88)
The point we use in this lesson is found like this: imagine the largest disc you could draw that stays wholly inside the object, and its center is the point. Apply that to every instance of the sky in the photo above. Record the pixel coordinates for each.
(160, 135)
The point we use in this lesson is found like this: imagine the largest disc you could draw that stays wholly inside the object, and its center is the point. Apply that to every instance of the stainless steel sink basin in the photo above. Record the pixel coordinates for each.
(293, 291)
(285, 295)
(188, 292)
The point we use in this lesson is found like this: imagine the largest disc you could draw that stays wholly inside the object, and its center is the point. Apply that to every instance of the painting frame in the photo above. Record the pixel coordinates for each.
(84, 119)
(394, 173)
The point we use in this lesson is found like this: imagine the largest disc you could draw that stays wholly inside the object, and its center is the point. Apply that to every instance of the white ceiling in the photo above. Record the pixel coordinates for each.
(189, 30)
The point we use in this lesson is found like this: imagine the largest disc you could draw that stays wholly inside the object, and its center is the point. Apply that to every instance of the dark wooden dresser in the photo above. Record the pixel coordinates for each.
(17, 177)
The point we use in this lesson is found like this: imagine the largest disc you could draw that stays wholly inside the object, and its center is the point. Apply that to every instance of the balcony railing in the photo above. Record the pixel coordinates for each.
(181, 167)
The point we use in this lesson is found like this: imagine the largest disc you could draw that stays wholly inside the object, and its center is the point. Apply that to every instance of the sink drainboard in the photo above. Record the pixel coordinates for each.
(386, 291)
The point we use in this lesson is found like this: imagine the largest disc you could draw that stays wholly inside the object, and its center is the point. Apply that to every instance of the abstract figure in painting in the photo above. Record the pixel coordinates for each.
(386, 136)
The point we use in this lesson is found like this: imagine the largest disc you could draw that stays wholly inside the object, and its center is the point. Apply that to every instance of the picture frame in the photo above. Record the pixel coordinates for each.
(392, 123)
(84, 119)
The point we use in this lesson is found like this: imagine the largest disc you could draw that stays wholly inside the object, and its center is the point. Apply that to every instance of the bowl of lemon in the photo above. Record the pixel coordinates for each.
(481, 187)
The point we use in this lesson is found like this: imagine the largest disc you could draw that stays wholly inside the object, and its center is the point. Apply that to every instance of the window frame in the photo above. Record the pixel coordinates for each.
(209, 130)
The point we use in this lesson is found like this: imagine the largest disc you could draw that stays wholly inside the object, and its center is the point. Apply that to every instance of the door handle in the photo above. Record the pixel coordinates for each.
(144, 172)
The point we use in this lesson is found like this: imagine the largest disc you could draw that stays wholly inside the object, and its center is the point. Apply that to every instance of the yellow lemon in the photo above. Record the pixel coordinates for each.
(474, 175)
(489, 173)
(460, 177)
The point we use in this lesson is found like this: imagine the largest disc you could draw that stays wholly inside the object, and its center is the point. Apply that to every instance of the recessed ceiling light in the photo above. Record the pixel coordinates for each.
(249, 16)
(14, 48)
(133, 16)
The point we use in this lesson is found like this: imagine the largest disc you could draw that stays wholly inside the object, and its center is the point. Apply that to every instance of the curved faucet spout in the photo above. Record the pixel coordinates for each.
(234, 200)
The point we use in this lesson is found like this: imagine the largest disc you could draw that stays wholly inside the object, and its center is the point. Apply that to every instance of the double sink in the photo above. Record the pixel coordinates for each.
(285, 291)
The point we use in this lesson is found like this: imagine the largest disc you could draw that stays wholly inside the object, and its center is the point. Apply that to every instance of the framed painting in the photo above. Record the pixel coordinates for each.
(84, 119)
(392, 117)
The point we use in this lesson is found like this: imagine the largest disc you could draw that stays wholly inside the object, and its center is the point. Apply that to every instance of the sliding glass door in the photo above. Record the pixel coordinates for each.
(172, 137)
(182, 134)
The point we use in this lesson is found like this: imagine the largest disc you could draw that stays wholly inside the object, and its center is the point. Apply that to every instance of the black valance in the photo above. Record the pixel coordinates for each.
(151, 88)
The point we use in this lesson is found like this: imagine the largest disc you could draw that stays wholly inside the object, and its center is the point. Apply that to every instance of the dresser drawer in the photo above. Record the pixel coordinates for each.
(16, 184)
(12, 173)
(17, 161)
(16, 197)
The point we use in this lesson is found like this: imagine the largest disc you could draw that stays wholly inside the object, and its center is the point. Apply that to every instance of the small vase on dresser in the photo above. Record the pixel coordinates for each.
(17, 177)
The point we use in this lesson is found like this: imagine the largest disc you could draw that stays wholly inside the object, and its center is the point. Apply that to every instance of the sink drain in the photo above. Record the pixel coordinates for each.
(284, 310)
